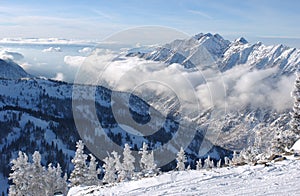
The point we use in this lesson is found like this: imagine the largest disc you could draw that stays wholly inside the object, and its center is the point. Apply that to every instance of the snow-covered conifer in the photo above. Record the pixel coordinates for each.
(20, 175)
(207, 163)
(92, 173)
(235, 158)
(219, 164)
(199, 165)
(144, 153)
(227, 161)
(37, 175)
(295, 122)
(110, 170)
(78, 175)
(118, 166)
(128, 163)
(181, 159)
(147, 163)
(55, 183)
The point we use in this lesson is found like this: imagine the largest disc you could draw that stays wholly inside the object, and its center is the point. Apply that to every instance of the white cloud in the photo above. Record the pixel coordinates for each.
(74, 61)
(5, 54)
(235, 88)
(52, 49)
(45, 41)
(59, 76)
(85, 50)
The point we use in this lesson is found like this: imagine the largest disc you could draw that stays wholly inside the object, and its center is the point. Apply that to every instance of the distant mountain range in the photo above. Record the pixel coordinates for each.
(225, 54)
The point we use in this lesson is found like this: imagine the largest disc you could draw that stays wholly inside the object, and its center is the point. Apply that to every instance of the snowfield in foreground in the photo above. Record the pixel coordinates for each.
(277, 179)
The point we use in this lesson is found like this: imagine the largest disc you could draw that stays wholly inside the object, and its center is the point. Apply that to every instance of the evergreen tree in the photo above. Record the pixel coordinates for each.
(128, 163)
(181, 159)
(19, 176)
(118, 166)
(227, 161)
(151, 167)
(144, 153)
(235, 158)
(34, 179)
(207, 163)
(54, 180)
(110, 170)
(199, 165)
(51, 179)
(78, 175)
(92, 174)
(219, 164)
(147, 164)
(295, 122)
(37, 175)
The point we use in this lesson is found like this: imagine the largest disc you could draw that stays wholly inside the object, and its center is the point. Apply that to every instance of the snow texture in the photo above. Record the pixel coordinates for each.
(296, 146)
(277, 179)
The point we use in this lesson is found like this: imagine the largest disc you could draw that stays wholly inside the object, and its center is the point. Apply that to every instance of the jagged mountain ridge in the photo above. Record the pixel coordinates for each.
(225, 53)
(240, 126)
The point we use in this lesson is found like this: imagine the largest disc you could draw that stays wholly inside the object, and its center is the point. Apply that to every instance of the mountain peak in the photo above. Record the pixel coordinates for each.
(241, 40)
(11, 70)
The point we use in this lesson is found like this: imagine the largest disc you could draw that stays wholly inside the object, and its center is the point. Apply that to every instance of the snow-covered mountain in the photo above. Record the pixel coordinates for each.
(11, 70)
(37, 114)
(226, 54)
(257, 80)
(40, 114)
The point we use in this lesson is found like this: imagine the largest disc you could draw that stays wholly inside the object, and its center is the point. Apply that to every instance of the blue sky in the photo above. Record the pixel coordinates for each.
(270, 20)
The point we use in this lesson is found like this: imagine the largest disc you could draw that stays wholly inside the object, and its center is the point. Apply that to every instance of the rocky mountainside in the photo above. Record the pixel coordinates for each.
(256, 80)
(225, 53)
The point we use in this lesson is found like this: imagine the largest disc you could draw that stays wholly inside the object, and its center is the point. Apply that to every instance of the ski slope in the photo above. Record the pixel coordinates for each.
(277, 179)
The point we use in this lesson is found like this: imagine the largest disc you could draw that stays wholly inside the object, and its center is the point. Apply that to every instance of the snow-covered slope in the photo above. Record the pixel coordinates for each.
(277, 179)
(226, 54)
(11, 70)
(256, 81)
(37, 114)
(296, 146)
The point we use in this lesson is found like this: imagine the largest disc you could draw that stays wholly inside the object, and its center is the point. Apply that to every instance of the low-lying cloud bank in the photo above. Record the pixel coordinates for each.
(236, 88)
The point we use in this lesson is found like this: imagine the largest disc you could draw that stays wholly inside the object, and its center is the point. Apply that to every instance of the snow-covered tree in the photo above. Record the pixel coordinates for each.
(37, 175)
(54, 180)
(295, 122)
(147, 163)
(19, 176)
(227, 161)
(128, 163)
(249, 155)
(110, 170)
(207, 163)
(92, 173)
(199, 165)
(78, 175)
(212, 164)
(34, 179)
(219, 164)
(51, 179)
(151, 166)
(181, 159)
(118, 166)
(144, 156)
(285, 138)
(235, 158)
